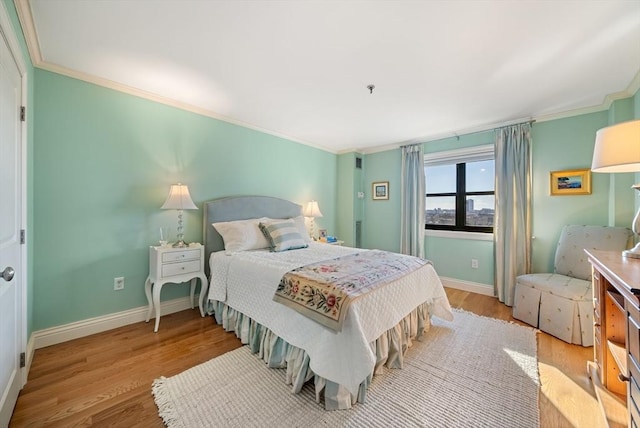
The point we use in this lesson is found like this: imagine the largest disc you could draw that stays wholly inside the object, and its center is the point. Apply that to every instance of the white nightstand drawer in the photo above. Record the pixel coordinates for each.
(180, 268)
(175, 256)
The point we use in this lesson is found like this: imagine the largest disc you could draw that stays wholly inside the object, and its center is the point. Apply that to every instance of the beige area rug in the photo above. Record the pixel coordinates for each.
(472, 372)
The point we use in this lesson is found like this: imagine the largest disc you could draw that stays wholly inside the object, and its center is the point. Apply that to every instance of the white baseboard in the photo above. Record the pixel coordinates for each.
(63, 333)
(473, 287)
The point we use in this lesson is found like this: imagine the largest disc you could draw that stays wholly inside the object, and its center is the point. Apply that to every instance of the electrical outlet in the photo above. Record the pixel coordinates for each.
(474, 263)
(118, 283)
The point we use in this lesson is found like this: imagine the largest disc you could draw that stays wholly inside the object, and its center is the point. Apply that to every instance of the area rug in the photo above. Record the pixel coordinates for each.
(472, 372)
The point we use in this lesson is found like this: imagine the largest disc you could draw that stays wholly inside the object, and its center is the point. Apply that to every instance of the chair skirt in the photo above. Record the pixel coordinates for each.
(556, 304)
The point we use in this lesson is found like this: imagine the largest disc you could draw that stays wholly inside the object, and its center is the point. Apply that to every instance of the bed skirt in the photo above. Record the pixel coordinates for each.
(389, 349)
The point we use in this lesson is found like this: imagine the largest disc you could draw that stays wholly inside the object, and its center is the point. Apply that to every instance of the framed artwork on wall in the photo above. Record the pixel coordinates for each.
(570, 182)
(380, 190)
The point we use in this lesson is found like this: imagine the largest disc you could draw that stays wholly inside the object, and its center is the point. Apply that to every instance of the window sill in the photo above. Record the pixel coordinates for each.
(477, 236)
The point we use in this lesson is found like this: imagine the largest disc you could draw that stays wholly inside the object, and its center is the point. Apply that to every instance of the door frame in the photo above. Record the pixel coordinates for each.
(7, 30)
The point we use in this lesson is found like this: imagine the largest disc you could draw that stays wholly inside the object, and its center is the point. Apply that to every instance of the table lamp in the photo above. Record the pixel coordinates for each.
(179, 199)
(617, 149)
(312, 211)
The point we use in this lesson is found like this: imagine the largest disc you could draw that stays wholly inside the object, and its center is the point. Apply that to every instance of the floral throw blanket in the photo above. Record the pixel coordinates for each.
(323, 291)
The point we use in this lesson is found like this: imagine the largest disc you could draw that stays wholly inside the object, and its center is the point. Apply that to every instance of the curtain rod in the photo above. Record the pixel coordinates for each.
(530, 122)
(482, 128)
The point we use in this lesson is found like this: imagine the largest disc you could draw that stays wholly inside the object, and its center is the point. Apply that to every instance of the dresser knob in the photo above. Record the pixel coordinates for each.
(596, 324)
(623, 378)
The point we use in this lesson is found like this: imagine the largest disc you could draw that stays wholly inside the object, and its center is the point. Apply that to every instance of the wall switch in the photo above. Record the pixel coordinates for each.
(474, 263)
(360, 195)
(118, 283)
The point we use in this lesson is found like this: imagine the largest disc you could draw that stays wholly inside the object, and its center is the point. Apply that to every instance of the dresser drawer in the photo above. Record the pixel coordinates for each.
(173, 269)
(633, 336)
(175, 256)
(634, 402)
(634, 392)
(598, 351)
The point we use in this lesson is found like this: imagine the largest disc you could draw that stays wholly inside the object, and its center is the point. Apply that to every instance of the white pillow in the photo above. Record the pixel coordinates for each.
(242, 235)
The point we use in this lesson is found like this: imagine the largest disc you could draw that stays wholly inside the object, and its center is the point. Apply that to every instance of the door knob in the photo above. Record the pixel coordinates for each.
(8, 273)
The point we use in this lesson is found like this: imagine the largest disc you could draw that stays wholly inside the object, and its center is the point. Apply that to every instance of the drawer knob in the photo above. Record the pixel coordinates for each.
(596, 324)
(623, 378)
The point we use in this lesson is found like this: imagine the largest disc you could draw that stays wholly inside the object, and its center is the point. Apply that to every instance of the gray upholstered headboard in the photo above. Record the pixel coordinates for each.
(241, 208)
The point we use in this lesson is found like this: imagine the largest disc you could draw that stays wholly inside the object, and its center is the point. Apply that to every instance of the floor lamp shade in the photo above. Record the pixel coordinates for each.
(617, 149)
(179, 199)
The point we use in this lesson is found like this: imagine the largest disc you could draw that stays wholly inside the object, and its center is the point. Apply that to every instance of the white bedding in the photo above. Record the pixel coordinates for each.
(246, 281)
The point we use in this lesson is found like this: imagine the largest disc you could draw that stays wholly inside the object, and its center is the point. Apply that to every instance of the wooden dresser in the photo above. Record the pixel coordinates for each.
(615, 371)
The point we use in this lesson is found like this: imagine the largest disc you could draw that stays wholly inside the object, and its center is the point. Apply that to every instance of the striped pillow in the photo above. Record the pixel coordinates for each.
(282, 235)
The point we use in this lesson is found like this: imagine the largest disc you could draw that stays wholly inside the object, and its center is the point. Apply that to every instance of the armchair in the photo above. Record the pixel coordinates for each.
(561, 303)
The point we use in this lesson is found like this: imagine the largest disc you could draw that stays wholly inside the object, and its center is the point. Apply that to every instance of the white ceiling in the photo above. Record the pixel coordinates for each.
(300, 69)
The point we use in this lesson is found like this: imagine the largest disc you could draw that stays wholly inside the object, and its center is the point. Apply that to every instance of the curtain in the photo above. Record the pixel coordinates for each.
(512, 233)
(412, 201)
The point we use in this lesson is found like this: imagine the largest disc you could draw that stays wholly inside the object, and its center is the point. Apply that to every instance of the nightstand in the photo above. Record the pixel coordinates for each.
(175, 265)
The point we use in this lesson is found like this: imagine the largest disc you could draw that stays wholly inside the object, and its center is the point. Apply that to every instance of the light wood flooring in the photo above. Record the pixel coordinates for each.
(105, 379)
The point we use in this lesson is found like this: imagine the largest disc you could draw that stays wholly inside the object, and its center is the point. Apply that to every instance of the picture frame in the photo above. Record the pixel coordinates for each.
(570, 182)
(380, 190)
(322, 233)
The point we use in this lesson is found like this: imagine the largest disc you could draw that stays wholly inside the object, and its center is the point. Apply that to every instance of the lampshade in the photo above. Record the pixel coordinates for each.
(179, 198)
(312, 210)
(617, 148)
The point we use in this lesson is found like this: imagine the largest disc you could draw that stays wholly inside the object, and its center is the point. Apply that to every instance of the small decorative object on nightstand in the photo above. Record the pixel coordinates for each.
(331, 240)
(176, 265)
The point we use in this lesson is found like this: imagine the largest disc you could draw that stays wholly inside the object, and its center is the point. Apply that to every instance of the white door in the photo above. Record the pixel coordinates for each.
(10, 219)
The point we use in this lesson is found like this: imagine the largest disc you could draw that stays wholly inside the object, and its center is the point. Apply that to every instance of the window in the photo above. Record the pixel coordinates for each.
(460, 190)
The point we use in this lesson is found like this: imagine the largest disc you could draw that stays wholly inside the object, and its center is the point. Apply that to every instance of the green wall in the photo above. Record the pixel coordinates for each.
(103, 163)
(381, 221)
(350, 207)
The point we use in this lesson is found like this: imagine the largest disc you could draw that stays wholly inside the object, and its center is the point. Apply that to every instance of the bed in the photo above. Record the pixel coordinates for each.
(377, 329)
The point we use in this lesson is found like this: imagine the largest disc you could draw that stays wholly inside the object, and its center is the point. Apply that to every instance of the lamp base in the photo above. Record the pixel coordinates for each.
(633, 253)
(180, 244)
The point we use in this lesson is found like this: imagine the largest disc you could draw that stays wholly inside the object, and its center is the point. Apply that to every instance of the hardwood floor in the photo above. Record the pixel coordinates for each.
(105, 379)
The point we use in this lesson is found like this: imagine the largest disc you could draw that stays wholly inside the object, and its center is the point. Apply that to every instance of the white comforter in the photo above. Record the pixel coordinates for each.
(246, 281)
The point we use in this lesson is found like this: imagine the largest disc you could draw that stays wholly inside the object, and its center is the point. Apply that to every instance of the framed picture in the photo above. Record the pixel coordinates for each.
(571, 182)
(380, 190)
(322, 233)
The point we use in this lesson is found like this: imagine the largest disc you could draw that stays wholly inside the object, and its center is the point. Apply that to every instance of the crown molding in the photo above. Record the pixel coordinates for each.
(633, 87)
(23, 9)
